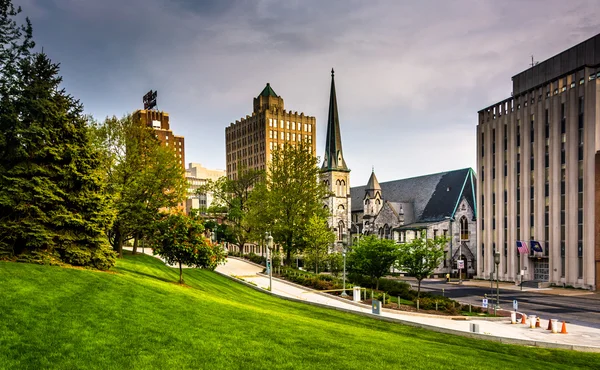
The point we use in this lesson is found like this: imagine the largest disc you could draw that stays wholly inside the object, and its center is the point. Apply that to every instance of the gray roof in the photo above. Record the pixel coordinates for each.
(433, 196)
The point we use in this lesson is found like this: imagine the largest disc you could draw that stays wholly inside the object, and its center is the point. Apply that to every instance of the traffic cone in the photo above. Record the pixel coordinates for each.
(537, 323)
(549, 324)
(564, 328)
(523, 319)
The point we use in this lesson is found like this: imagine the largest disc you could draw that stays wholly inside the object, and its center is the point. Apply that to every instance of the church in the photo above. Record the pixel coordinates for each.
(440, 204)
(424, 206)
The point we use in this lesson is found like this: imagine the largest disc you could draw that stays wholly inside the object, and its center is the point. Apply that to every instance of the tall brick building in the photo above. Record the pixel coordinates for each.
(159, 121)
(249, 141)
(539, 181)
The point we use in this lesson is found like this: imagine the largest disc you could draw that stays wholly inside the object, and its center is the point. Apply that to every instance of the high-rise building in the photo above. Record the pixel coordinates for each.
(197, 176)
(539, 180)
(159, 121)
(249, 141)
(335, 173)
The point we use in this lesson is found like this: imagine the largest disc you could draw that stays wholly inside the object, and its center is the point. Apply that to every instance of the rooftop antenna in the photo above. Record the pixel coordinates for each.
(534, 63)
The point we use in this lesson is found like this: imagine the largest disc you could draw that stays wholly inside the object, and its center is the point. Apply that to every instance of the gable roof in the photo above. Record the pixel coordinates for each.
(434, 196)
(268, 91)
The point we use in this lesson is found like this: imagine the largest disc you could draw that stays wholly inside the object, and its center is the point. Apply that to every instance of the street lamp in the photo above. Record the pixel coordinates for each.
(344, 242)
(497, 262)
(269, 242)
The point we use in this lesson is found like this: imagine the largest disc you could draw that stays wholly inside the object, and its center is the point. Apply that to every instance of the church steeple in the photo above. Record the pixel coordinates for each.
(333, 159)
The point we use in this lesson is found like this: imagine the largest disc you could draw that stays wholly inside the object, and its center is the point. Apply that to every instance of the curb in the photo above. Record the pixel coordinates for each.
(531, 343)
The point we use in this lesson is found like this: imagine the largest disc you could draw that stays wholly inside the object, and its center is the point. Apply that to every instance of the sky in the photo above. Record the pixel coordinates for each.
(410, 75)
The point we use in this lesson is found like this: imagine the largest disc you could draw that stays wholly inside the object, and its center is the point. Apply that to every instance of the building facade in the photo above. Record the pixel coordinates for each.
(335, 173)
(250, 141)
(441, 204)
(159, 121)
(197, 176)
(539, 182)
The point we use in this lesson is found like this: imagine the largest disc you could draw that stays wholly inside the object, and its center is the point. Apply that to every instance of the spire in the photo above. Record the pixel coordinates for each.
(334, 157)
(268, 91)
(373, 184)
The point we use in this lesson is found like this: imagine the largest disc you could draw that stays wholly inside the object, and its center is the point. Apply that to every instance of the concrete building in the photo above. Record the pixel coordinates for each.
(159, 121)
(441, 204)
(196, 176)
(538, 156)
(335, 173)
(249, 141)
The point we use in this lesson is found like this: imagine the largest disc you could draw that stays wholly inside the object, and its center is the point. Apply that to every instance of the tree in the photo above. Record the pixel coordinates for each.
(233, 197)
(52, 192)
(317, 237)
(336, 263)
(143, 178)
(16, 41)
(180, 240)
(421, 257)
(374, 257)
(290, 195)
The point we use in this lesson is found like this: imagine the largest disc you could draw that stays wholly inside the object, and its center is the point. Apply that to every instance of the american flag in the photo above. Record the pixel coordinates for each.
(522, 247)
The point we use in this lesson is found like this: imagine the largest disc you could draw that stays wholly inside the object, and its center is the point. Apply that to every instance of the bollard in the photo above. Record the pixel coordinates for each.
(384, 299)
(532, 321)
(513, 318)
(554, 326)
(474, 328)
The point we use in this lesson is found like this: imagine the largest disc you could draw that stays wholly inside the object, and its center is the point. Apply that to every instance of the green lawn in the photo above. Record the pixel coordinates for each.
(138, 317)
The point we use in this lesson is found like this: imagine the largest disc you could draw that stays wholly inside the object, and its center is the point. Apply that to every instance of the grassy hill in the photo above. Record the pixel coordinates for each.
(138, 317)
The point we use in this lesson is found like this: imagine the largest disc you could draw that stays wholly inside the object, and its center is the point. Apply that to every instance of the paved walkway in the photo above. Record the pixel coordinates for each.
(577, 335)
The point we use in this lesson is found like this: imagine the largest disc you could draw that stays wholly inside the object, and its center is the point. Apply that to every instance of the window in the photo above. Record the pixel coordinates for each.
(341, 230)
(287, 125)
(270, 122)
(293, 125)
(464, 228)
(281, 124)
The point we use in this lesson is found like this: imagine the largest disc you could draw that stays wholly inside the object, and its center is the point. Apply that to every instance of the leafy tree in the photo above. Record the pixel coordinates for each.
(232, 196)
(52, 197)
(317, 237)
(143, 178)
(289, 196)
(336, 263)
(180, 240)
(421, 257)
(374, 257)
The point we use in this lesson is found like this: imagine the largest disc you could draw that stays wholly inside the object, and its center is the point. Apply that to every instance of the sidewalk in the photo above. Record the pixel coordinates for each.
(579, 337)
(587, 338)
(512, 286)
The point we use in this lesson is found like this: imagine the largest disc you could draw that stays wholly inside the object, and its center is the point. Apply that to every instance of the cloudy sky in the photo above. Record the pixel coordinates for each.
(410, 75)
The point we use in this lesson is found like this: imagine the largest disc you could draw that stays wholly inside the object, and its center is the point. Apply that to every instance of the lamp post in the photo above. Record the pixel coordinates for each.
(344, 242)
(269, 242)
(497, 262)
(460, 263)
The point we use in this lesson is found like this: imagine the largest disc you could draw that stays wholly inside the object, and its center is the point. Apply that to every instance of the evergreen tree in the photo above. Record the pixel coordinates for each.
(52, 198)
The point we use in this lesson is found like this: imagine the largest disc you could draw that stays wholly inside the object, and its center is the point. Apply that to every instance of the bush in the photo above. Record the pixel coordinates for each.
(256, 259)
(391, 287)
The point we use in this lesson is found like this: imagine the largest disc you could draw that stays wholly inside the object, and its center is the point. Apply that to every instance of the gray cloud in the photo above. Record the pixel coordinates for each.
(410, 76)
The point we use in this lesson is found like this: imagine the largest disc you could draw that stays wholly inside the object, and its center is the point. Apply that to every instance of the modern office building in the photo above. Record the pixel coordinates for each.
(197, 176)
(539, 180)
(249, 141)
(159, 121)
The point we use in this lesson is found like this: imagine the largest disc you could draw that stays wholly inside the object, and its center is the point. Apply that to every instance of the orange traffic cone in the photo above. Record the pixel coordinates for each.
(537, 323)
(564, 328)
(523, 319)
(549, 324)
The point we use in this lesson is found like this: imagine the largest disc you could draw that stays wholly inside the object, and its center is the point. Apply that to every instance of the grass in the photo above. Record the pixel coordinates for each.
(139, 317)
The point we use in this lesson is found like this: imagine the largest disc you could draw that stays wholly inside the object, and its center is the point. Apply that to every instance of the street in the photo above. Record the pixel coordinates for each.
(581, 310)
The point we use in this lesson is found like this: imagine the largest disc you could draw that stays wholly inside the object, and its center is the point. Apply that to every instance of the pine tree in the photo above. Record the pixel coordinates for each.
(52, 198)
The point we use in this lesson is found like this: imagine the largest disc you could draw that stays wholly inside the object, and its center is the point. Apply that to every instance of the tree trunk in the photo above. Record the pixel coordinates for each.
(288, 256)
(180, 273)
(376, 283)
(135, 243)
(419, 289)
(119, 241)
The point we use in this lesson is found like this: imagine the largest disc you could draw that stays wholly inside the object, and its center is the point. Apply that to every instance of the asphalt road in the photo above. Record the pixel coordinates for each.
(580, 310)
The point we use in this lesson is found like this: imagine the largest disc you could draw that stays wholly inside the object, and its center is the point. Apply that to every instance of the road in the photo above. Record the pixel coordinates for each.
(580, 310)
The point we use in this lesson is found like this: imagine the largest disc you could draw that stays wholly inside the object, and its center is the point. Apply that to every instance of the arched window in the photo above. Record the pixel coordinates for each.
(378, 202)
(381, 232)
(341, 230)
(464, 228)
(342, 188)
(341, 206)
(386, 231)
(337, 187)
